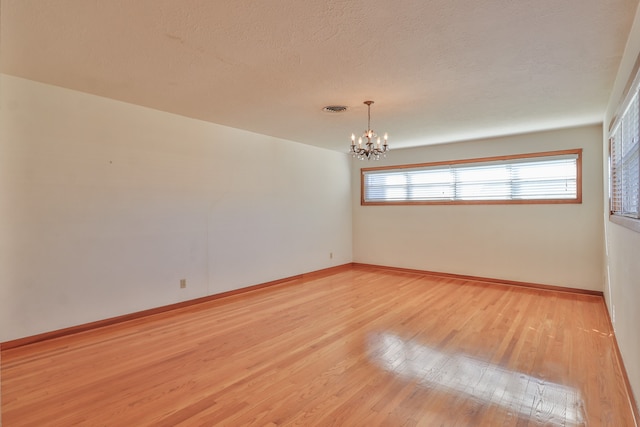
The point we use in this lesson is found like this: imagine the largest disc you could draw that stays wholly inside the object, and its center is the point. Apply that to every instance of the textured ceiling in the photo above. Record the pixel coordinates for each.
(438, 70)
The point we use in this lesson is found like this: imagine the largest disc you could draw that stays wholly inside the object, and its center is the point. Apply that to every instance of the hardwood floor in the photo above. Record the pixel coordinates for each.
(357, 348)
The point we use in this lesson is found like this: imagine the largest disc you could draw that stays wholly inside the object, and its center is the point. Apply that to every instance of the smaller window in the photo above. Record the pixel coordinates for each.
(550, 177)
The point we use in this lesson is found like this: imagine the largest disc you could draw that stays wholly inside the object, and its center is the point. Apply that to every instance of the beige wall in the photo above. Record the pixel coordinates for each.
(557, 245)
(622, 258)
(105, 206)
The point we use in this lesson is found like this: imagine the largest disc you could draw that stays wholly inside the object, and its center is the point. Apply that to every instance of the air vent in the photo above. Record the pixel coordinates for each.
(335, 108)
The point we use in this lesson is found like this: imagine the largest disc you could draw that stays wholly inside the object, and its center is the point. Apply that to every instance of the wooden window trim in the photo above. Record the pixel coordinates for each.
(577, 200)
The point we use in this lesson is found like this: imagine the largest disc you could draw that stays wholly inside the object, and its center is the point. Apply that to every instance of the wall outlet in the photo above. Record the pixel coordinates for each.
(330, 255)
(183, 283)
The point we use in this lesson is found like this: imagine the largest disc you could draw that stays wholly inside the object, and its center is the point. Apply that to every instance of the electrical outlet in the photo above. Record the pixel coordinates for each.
(330, 255)
(183, 283)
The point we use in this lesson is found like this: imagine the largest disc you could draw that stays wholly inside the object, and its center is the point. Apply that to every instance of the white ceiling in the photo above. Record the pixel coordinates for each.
(438, 70)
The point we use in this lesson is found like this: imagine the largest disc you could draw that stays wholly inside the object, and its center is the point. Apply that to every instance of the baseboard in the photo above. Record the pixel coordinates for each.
(632, 400)
(480, 279)
(19, 342)
(300, 277)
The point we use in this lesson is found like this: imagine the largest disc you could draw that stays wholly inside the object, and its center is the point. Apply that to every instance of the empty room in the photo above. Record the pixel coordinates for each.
(319, 213)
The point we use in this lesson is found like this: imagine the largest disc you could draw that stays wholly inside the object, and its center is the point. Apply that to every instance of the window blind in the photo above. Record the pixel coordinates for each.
(549, 177)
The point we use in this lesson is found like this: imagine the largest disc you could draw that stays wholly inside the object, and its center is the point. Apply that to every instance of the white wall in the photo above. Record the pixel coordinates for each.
(105, 206)
(622, 260)
(559, 244)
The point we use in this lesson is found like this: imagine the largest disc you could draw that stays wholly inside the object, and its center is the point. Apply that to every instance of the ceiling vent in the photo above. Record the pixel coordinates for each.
(335, 108)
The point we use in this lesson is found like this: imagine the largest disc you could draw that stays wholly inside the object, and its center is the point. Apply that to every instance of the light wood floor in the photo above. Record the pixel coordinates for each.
(357, 348)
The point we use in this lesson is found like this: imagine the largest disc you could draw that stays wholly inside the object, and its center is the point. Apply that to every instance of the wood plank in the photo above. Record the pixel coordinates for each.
(362, 346)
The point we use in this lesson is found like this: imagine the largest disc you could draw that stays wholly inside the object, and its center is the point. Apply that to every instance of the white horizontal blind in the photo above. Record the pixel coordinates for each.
(532, 178)
(625, 161)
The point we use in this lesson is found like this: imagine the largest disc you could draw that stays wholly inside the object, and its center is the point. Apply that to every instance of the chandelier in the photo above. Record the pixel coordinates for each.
(371, 149)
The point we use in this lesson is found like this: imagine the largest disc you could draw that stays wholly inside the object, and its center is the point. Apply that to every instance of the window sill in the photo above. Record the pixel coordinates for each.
(630, 223)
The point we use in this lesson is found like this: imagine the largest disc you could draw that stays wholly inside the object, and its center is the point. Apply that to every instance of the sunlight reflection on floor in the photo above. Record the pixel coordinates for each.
(550, 403)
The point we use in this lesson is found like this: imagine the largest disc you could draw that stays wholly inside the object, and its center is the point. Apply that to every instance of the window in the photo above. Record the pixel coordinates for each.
(551, 177)
(624, 165)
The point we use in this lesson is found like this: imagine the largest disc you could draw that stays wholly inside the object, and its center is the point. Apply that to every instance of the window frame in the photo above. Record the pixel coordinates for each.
(493, 159)
(632, 88)
(616, 168)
